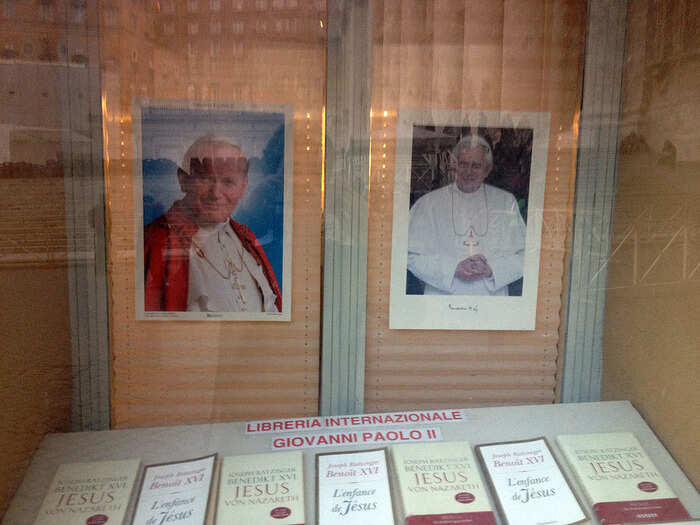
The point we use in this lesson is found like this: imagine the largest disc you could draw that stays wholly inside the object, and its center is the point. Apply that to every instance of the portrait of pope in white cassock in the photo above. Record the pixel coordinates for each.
(467, 237)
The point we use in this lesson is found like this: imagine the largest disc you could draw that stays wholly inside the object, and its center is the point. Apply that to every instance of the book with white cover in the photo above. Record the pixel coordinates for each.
(352, 488)
(684, 522)
(177, 492)
(620, 480)
(262, 489)
(92, 493)
(528, 484)
(439, 483)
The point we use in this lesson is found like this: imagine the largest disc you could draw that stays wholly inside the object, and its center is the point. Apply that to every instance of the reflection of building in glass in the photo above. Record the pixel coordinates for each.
(175, 48)
(43, 57)
(217, 46)
(45, 30)
(656, 218)
(45, 117)
(232, 51)
(663, 60)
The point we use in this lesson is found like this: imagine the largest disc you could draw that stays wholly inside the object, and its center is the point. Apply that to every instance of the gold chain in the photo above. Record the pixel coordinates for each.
(470, 228)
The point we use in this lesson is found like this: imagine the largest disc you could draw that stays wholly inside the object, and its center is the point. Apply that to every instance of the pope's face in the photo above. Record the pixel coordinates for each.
(470, 169)
(216, 183)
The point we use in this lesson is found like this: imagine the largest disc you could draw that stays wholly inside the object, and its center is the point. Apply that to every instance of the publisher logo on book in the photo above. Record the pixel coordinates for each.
(647, 486)
(464, 497)
(280, 512)
(97, 519)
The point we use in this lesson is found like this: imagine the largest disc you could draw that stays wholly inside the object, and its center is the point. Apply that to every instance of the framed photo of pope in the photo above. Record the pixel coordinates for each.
(213, 211)
(467, 219)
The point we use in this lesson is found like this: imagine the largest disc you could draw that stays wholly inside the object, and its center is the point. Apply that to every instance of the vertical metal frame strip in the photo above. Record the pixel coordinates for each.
(85, 232)
(595, 194)
(346, 206)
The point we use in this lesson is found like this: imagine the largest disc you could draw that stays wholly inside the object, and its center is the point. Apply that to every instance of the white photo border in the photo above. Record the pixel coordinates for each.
(451, 312)
(286, 279)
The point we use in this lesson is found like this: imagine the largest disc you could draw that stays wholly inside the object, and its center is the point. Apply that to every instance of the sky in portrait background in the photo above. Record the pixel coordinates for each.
(168, 132)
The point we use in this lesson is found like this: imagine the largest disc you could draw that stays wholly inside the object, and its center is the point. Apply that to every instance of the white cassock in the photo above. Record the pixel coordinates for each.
(223, 276)
(447, 225)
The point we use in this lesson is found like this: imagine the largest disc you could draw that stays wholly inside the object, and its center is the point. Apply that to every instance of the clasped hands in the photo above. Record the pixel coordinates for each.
(473, 267)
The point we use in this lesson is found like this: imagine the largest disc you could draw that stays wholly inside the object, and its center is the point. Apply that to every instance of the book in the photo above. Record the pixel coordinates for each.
(620, 480)
(352, 488)
(89, 493)
(528, 484)
(684, 522)
(262, 489)
(177, 492)
(439, 483)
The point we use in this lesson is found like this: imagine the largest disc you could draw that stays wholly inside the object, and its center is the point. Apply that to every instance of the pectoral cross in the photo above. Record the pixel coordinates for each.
(239, 288)
(471, 243)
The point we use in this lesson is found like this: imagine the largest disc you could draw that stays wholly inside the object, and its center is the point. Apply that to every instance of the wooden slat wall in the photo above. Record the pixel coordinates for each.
(173, 372)
(35, 362)
(510, 55)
